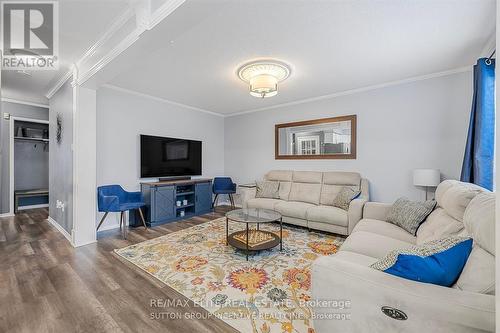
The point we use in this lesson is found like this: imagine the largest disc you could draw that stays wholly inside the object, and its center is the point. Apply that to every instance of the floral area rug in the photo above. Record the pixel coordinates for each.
(268, 293)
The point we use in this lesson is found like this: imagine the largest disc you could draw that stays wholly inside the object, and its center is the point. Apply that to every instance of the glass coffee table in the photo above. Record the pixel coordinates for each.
(254, 239)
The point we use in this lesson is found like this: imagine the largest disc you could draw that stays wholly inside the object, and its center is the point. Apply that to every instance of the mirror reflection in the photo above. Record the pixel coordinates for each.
(322, 138)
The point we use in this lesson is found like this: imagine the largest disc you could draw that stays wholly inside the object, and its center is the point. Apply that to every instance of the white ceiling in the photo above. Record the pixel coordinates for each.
(332, 46)
(81, 23)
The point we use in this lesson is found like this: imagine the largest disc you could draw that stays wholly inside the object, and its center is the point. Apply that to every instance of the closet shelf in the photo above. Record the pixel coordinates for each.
(30, 139)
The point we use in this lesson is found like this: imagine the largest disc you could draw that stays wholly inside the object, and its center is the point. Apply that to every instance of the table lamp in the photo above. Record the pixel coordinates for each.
(427, 178)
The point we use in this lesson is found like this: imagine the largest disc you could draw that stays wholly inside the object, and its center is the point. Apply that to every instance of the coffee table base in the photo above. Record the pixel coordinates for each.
(235, 242)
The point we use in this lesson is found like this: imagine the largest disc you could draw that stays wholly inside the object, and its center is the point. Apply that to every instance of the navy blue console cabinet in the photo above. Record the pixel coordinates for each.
(162, 201)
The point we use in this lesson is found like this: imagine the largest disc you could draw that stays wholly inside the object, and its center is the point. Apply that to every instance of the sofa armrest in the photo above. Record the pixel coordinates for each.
(429, 308)
(355, 213)
(376, 210)
(246, 193)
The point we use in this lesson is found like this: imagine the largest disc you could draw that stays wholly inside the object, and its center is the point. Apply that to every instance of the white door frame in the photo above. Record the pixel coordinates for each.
(314, 138)
(11, 155)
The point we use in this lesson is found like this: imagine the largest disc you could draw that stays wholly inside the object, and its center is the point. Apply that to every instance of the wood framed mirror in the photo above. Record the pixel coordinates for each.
(326, 138)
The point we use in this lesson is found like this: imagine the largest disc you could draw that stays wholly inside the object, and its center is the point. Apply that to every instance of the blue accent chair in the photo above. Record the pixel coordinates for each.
(113, 198)
(223, 185)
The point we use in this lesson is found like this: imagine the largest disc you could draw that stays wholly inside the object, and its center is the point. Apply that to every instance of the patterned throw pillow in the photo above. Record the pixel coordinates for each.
(344, 198)
(410, 214)
(267, 189)
(438, 262)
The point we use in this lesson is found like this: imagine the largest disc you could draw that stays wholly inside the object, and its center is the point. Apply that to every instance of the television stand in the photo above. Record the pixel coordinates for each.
(166, 179)
(194, 197)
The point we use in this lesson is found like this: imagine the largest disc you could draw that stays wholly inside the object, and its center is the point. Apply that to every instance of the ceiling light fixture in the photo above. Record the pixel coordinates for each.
(263, 76)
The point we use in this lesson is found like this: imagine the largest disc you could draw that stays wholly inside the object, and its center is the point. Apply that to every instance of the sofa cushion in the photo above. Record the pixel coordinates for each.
(284, 190)
(293, 209)
(385, 229)
(438, 262)
(438, 225)
(264, 203)
(355, 258)
(312, 177)
(410, 214)
(329, 193)
(478, 275)
(344, 198)
(267, 189)
(479, 220)
(305, 192)
(342, 178)
(279, 175)
(371, 244)
(328, 214)
(333, 182)
(455, 196)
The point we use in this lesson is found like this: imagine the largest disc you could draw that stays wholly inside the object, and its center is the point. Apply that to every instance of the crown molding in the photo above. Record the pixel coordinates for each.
(18, 101)
(302, 101)
(144, 22)
(106, 36)
(358, 90)
(116, 51)
(91, 51)
(159, 99)
(62, 80)
(166, 9)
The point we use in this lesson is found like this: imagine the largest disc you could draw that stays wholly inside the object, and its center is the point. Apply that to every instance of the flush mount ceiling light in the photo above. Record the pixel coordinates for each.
(263, 76)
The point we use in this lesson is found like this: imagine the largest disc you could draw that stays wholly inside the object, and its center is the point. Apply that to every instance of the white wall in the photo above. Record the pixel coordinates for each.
(84, 166)
(122, 117)
(61, 157)
(421, 124)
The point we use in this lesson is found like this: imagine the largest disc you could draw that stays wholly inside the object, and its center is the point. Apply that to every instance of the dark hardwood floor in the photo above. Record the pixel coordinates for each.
(46, 285)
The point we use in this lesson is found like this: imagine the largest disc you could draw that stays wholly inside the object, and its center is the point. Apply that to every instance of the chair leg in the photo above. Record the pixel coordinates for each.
(102, 220)
(142, 218)
(231, 199)
(124, 230)
(121, 220)
(215, 200)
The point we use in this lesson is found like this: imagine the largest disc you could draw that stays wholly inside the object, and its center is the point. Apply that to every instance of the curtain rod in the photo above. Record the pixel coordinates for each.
(488, 61)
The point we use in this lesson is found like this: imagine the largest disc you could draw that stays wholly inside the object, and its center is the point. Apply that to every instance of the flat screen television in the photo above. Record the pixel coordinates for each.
(169, 157)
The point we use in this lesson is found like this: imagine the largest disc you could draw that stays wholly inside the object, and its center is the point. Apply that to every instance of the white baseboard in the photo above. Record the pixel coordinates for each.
(86, 243)
(6, 215)
(60, 229)
(109, 226)
(32, 207)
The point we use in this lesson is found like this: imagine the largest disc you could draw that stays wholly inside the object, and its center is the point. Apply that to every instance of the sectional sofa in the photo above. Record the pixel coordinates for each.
(306, 197)
(468, 306)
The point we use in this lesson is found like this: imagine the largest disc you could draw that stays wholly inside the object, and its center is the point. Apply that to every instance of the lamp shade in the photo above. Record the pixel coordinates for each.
(426, 177)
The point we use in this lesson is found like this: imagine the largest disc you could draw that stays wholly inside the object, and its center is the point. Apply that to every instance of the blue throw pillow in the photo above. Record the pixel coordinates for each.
(438, 262)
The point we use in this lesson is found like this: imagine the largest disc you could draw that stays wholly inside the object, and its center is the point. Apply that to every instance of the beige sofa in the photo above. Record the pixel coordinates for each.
(468, 306)
(306, 199)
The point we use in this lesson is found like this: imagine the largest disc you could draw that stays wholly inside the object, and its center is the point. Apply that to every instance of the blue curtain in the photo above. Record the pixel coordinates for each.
(478, 166)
